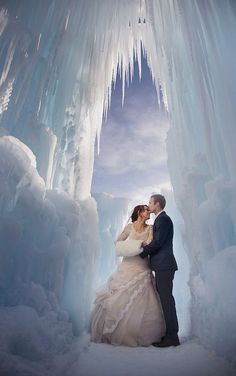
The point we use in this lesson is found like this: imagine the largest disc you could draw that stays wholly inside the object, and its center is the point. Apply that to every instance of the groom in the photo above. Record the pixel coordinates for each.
(164, 265)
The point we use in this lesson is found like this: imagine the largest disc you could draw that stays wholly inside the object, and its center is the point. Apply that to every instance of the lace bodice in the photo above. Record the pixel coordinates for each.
(130, 232)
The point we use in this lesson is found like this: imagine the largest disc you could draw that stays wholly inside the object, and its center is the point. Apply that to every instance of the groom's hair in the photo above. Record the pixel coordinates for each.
(161, 199)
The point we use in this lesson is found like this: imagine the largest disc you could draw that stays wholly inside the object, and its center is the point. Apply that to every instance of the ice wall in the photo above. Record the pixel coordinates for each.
(112, 214)
(47, 263)
(57, 64)
(199, 76)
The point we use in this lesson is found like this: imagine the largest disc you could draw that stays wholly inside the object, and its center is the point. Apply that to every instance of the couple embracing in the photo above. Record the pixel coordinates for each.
(134, 308)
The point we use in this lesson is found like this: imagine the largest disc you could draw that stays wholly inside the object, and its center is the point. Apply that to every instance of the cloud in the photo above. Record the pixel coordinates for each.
(133, 157)
(142, 194)
(136, 144)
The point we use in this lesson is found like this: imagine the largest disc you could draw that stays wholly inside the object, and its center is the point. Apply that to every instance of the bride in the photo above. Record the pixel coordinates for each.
(128, 310)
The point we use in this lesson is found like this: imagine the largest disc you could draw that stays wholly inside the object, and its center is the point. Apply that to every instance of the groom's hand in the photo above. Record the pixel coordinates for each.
(142, 255)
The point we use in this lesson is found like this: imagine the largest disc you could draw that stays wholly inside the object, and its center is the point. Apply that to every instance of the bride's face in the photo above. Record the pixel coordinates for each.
(145, 214)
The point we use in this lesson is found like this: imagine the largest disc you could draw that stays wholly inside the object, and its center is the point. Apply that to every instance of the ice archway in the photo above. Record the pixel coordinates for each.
(57, 66)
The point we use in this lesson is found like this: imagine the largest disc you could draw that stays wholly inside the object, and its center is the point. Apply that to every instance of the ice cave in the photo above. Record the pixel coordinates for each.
(59, 60)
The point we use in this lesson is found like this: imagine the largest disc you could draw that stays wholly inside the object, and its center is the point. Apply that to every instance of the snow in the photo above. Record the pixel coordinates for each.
(190, 359)
(90, 359)
(44, 258)
(217, 280)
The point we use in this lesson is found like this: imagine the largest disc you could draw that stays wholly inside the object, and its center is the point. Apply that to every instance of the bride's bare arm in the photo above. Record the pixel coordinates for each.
(125, 233)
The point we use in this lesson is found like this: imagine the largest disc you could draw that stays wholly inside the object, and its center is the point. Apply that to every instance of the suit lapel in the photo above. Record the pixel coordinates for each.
(158, 217)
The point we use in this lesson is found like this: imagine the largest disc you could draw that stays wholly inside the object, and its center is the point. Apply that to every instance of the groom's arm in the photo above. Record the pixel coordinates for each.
(159, 238)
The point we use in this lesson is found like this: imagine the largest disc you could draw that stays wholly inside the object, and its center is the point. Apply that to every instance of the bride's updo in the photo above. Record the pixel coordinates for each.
(137, 210)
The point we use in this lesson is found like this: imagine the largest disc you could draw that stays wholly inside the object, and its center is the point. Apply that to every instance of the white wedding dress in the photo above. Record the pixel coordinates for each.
(128, 310)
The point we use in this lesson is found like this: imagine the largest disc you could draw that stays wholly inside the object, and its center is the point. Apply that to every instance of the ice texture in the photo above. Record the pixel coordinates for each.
(112, 214)
(57, 65)
(47, 253)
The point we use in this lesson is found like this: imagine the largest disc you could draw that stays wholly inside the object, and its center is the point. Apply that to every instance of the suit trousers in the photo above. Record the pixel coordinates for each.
(164, 285)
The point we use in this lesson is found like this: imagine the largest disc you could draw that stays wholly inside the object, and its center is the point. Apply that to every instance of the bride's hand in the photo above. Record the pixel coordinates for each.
(144, 244)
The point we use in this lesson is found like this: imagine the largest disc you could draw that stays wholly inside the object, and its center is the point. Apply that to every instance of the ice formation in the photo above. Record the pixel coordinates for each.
(44, 256)
(57, 64)
(112, 214)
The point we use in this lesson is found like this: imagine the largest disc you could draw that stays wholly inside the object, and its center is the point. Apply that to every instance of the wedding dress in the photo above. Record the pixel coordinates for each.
(128, 310)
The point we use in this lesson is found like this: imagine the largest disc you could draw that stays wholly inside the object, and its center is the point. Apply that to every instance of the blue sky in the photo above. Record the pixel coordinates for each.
(132, 159)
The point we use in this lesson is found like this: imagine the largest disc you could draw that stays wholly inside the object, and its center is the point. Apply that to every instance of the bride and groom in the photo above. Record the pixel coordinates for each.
(134, 308)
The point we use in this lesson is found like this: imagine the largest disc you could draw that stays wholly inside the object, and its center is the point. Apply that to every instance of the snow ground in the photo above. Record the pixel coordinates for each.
(90, 359)
(190, 359)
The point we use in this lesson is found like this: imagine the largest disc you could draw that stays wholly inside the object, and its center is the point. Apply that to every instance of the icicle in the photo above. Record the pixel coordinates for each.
(123, 85)
(5, 97)
(8, 62)
(3, 20)
(39, 39)
(67, 19)
(139, 59)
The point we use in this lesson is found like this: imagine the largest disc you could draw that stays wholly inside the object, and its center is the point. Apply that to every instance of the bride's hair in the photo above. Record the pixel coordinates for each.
(137, 210)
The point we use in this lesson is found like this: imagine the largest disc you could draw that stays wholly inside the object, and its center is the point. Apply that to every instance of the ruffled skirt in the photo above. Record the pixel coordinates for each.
(128, 310)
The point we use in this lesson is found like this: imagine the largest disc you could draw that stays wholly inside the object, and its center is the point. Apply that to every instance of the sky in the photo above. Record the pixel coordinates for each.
(133, 159)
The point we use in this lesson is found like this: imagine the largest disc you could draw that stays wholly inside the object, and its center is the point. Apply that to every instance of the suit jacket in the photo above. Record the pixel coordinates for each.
(161, 247)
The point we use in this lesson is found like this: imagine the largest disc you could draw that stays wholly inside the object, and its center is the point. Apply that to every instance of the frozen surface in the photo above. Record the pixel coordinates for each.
(189, 359)
(53, 93)
(85, 359)
(215, 301)
(112, 214)
(47, 259)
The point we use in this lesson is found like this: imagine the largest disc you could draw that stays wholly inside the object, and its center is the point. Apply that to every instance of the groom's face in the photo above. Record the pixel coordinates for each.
(152, 206)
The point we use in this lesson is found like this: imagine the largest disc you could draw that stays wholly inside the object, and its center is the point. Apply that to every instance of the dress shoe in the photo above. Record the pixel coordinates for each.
(167, 342)
(157, 343)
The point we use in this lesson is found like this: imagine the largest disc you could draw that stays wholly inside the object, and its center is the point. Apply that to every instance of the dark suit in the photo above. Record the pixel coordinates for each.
(163, 262)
